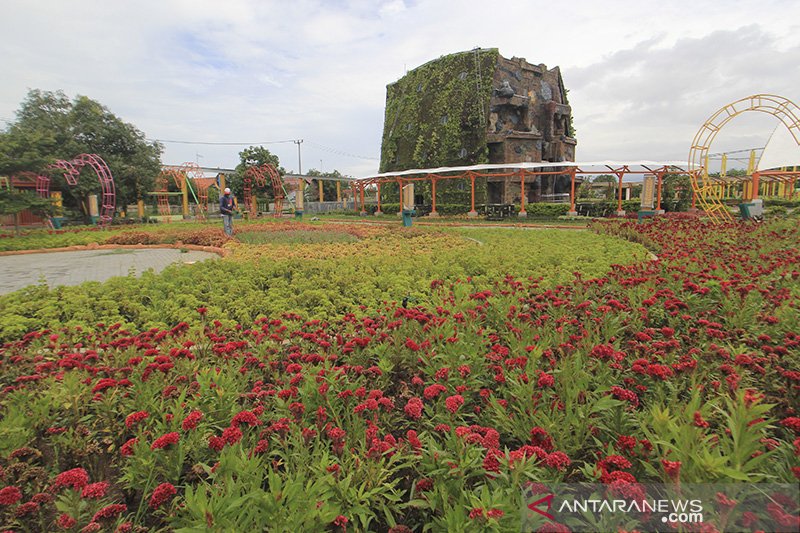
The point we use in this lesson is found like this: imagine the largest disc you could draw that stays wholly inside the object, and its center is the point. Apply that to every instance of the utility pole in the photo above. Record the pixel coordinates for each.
(298, 211)
(298, 142)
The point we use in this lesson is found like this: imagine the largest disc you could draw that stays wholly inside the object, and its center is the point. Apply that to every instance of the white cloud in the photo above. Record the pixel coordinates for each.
(643, 76)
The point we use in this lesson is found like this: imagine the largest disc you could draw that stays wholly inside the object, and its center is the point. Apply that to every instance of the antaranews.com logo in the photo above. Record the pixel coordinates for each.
(589, 507)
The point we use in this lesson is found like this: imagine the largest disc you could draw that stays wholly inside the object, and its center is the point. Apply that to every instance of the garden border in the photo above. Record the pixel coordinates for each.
(222, 252)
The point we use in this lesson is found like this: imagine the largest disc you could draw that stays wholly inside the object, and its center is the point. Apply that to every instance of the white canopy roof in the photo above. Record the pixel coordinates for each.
(782, 150)
(633, 166)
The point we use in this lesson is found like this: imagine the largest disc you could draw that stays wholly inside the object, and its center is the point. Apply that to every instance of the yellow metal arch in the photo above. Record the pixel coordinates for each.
(709, 195)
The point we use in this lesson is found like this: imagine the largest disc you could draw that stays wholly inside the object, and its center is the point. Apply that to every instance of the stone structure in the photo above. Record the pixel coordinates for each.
(479, 107)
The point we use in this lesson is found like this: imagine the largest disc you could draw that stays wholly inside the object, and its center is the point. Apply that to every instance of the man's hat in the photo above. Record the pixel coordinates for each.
(227, 190)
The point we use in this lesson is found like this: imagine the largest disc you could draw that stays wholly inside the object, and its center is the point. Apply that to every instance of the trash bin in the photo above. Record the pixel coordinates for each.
(407, 214)
(57, 222)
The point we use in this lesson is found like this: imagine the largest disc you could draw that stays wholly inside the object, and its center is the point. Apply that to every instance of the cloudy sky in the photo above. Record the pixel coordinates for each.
(643, 75)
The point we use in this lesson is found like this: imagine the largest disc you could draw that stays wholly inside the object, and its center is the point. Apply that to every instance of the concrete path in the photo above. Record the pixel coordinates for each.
(73, 268)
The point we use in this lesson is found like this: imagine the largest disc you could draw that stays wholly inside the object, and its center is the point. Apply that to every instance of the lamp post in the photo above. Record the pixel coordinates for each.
(298, 211)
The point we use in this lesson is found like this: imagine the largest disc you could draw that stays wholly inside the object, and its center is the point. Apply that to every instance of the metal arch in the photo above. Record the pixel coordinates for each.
(710, 196)
(259, 175)
(72, 169)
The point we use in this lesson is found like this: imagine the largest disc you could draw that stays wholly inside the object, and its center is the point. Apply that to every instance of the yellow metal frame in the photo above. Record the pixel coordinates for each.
(704, 189)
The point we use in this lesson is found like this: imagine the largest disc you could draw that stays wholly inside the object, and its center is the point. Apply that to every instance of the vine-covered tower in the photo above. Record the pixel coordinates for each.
(479, 107)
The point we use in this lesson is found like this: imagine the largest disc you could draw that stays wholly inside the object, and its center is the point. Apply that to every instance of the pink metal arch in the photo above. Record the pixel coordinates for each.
(259, 174)
(72, 169)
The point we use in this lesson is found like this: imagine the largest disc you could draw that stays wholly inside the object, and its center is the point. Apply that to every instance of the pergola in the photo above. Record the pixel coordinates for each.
(522, 172)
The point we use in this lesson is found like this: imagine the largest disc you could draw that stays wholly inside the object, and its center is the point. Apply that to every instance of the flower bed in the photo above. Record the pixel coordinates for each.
(430, 414)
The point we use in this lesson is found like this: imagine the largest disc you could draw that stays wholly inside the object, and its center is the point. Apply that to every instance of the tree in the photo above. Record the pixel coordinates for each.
(328, 186)
(49, 127)
(609, 192)
(13, 202)
(253, 156)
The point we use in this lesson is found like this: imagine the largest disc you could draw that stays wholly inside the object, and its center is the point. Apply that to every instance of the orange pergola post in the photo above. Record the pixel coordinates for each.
(400, 192)
(363, 209)
(472, 211)
(620, 212)
(522, 212)
(433, 213)
(754, 186)
(660, 178)
(378, 211)
(572, 211)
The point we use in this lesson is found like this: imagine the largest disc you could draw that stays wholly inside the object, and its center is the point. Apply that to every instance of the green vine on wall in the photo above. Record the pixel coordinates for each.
(436, 115)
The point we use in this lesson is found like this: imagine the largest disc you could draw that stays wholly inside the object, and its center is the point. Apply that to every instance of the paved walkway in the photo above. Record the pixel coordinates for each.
(73, 268)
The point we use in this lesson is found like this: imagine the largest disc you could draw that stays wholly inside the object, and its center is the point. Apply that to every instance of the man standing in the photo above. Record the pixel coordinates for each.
(226, 207)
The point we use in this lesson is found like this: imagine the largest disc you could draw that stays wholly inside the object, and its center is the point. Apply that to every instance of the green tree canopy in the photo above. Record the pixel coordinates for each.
(49, 127)
(253, 156)
(328, 187)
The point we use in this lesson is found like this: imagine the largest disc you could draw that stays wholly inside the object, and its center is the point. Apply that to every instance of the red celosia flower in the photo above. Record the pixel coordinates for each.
(65, 521)
(792, 422)
(494, 513)
(340, 521)
(26, 509)
(202, 310)
(162, 494)
(545, 380)
(557, 460)
(413, 408)
(76, 478)
(166, 441)
(433, 391)
(134, 418)
(453, 403)
(699, 421)
(191, 420)
(109, 512)
(95, 491)
(245, 418)
(232, 435)
(261, 446)
(476, 513)
(10, 495)
(127, 448)
(672, 468)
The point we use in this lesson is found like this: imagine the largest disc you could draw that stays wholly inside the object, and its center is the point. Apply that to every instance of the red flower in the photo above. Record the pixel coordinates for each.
(10, 495)
(433, 391)
(699, 421)
(453, 403)
(413, 408)
(26, 509)
(793, 423)
(191, 420)
(76, 478)
(109, 512)
(557, 460)
(162, 494)
(202, 310)
(340, 521)
(127, 448)
(134, 418)
(65, 521)
(166, 441)
(232, 435)
(95, 491)
(672, 468)
(476, 513)
(545, 381)
(245, 417)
